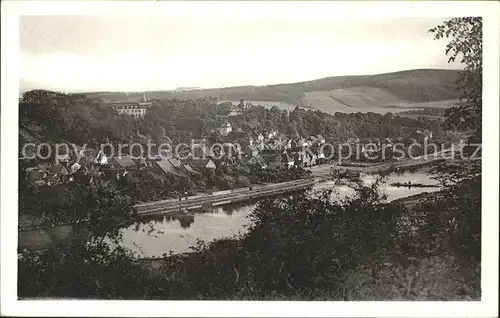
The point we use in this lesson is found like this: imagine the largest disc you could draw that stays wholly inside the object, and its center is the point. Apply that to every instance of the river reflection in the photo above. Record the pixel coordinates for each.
(154, 236)
(393, 192)
(162, 234)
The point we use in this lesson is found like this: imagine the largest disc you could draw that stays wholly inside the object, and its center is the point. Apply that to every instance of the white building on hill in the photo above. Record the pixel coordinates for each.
(135, 109)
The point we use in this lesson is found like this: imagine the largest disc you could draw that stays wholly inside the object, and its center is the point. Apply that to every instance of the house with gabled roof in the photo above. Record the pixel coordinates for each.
(294, 144)
(270, 134)
(320, 139)
(422, 134)
(91, 158)
(277, 159)
(304, 158)
(287, 161)
(44, 166)
(303, 142)
(63, 158)
(170, 168)
(142, 163)
(257, 136)
(123, 162)
(34, 173)
(202, 164)
(59, 172)
(252, 150)
(225, 129)
(74, 167)
(258, 161)
(190, 170)
(320, 155)
(39, 183)
(271, 146)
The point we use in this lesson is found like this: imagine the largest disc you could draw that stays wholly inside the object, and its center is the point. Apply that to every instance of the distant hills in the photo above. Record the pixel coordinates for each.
(184, 89)
(378, 93)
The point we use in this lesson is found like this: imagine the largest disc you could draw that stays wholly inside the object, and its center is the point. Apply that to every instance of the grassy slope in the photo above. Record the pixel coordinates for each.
(365, 99)
(413, 85)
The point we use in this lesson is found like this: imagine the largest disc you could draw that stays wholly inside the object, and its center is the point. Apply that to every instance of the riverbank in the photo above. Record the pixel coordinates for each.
(411, 201)
(326, 169)
(413, 185)
(223, 197)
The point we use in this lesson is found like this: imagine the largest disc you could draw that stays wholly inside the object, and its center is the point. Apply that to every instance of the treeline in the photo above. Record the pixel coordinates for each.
(74, 202)
(338, 127)
(431, 111)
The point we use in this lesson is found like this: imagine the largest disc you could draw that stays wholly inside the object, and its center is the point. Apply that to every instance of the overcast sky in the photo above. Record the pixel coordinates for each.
(90, 53)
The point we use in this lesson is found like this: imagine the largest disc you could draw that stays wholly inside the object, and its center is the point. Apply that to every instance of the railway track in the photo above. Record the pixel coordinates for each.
(236, 195)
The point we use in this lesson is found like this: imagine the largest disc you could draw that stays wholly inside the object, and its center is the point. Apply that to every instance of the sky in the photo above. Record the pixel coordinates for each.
(163, 52)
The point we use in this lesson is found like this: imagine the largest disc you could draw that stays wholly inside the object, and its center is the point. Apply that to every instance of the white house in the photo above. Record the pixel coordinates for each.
(225, 129)
(271, 134)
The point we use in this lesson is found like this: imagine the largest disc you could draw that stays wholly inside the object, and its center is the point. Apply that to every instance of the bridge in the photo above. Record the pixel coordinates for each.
(222, 197)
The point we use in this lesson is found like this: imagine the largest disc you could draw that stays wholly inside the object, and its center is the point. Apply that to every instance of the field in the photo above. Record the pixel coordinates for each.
(365, 99)
(352, 99)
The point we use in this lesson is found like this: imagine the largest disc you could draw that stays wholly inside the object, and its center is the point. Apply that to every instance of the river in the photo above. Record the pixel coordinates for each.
(161, 234)
(153, 236)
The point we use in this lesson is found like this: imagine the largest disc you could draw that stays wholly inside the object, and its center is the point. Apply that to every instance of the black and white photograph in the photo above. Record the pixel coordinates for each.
(282, 153)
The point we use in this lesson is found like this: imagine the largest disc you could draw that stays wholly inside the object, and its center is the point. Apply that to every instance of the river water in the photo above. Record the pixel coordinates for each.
(162, 234)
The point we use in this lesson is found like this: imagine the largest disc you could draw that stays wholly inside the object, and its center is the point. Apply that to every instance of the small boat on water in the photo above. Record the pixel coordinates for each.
(413, 185)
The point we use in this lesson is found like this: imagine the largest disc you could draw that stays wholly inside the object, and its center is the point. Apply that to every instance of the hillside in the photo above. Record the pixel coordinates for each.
(331, 94)
(413, 86)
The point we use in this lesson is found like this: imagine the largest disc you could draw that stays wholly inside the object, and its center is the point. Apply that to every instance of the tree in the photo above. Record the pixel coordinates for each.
(466, 43)
(459, 219)
(292, 129)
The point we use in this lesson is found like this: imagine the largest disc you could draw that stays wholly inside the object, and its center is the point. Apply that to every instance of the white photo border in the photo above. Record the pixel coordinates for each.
(10, 305)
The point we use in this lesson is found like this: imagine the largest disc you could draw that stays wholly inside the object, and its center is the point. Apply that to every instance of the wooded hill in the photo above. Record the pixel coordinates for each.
(405, 87)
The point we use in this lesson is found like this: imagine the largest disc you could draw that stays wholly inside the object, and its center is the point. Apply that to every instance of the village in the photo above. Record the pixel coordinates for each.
(264, 150)
(269, 150)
